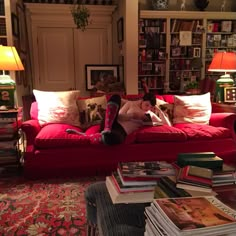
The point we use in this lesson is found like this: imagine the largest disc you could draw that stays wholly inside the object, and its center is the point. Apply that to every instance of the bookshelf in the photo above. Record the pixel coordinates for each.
(183, 47)
(5, 23)
(152, 52)
(220, 36)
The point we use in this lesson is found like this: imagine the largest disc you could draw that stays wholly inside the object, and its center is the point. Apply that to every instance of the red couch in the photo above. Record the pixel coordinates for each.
(52, 152)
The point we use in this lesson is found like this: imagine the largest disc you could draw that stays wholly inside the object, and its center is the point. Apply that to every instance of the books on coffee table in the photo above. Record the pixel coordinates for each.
(190, 216)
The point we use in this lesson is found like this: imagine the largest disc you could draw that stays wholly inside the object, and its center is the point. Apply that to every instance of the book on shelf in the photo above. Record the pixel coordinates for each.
(190, 216)
(130, 188)
(148, 169)
(129, 197)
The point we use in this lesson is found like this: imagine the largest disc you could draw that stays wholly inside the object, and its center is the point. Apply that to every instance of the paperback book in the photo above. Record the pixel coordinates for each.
(190, 216)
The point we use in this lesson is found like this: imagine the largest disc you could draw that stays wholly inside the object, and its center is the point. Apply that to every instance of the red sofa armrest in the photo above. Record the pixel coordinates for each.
(227, 120)
(31, 128)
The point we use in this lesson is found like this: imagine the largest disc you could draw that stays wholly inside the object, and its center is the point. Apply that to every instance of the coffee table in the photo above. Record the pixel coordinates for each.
(105, 218)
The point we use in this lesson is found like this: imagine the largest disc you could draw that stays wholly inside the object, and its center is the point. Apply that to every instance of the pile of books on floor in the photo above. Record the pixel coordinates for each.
(135, 182)
(189, 216)
(203, 171)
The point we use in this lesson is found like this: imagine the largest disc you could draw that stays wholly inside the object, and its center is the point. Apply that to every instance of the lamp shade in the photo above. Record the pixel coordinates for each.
(223, 62)
(9, 59)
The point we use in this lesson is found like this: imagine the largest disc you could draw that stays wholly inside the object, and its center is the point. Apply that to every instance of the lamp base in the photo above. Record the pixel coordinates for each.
(7, 91)
(221, 83)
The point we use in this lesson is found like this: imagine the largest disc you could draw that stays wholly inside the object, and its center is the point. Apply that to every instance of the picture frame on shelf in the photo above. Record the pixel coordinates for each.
(15, 25)
(176, 52)
(197, 52)
(230, 94)
(120, 30)
(101, 76)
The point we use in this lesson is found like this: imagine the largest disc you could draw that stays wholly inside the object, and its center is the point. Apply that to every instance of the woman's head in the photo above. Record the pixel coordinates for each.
(149, 100)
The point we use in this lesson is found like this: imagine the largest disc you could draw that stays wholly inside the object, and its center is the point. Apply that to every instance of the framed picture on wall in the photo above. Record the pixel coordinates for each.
(20, 12)
(15, 25)
(120, 30)
(100, 77)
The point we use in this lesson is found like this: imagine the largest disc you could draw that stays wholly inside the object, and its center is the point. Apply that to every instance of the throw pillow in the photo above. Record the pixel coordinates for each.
(91, 110)
(192, 109)
(57, 107)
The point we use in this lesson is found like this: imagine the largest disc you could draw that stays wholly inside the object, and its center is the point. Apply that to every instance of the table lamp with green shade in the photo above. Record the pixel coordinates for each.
(223, 62)
(9, 61)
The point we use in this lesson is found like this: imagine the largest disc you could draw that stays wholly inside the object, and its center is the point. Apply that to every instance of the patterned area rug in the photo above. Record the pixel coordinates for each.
(47, 207)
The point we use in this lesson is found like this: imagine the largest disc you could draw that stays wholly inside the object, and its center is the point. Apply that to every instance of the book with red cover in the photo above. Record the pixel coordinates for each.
(185, 176)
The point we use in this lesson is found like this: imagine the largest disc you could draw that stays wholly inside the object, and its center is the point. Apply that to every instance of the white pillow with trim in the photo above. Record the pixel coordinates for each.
(57, 107)
(192, 109)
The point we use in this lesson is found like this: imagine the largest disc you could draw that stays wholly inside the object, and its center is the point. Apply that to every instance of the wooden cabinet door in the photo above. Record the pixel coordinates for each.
(91, 47)
(55, 59)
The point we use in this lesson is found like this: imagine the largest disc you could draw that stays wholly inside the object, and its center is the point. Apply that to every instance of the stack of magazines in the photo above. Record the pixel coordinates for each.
(189, 216)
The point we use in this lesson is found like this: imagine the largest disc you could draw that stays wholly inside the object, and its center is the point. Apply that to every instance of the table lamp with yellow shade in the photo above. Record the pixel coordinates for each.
(223, 62)
(9, 61)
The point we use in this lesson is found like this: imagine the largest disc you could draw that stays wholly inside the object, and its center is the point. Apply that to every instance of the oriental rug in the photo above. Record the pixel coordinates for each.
(43, 207)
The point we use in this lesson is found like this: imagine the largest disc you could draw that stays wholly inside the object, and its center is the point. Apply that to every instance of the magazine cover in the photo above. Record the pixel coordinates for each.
(194, 215)
(146, 169)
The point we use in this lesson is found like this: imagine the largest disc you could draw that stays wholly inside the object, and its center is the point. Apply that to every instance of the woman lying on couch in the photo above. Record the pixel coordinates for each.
(122, 121)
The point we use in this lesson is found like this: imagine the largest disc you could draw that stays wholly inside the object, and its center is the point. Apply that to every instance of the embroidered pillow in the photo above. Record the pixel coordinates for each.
(57, 107)
(91, 110)
(192, 109)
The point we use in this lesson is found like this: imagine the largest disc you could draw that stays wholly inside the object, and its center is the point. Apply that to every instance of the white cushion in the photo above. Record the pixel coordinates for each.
(192, 109)
(57, 107)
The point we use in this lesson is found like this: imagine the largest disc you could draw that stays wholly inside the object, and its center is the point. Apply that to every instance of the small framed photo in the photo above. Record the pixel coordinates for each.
(98, 77)
(15, 25)
(120, 30)
(147, 66)
(161, 55)
(197, 52)
(230, 94)
(176, 52)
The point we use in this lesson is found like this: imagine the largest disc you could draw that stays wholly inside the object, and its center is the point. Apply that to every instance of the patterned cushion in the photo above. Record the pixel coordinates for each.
(91, 110)
(192, 109)
(57, 107)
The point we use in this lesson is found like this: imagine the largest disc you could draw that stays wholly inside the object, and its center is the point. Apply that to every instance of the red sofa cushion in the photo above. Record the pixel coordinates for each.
(159, 133)
(203, 132)
(55, 135)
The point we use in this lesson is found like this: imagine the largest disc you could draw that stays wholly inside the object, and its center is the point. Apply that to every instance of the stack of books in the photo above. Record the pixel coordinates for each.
(225, 176)
(135, 182)
(189, 216)
(222, 174)
(202, 159)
